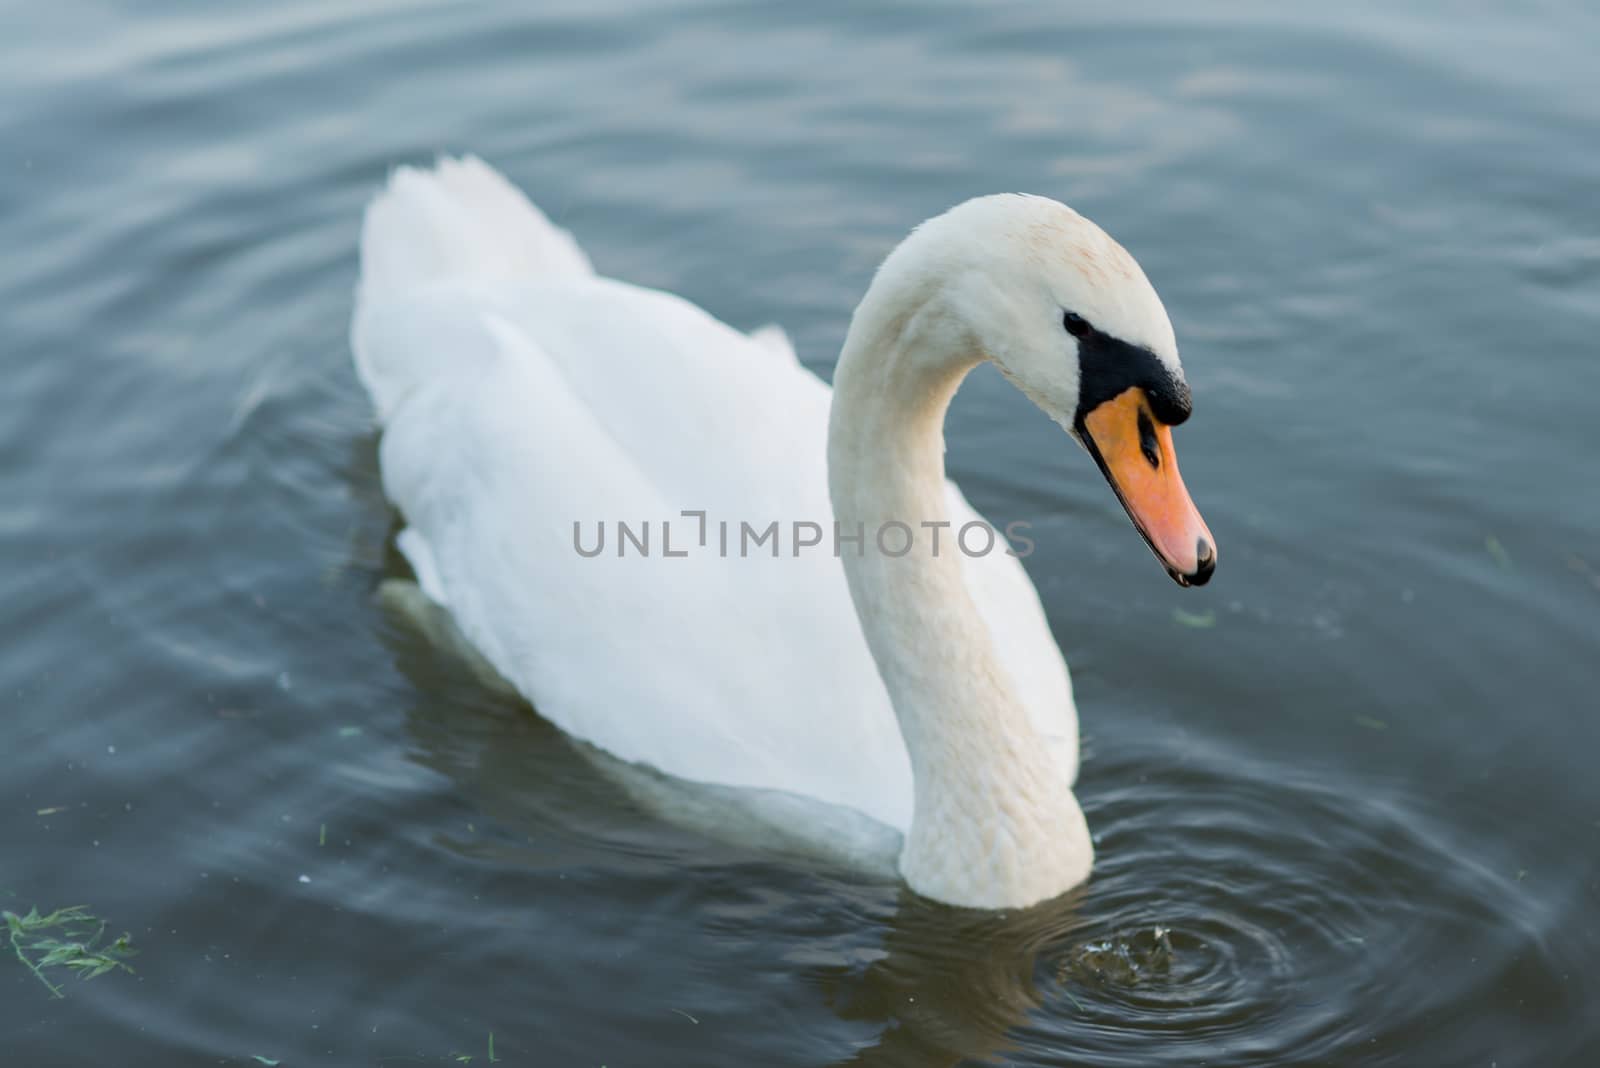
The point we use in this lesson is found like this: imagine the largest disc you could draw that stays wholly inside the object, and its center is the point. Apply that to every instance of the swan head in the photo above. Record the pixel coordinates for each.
(1071, 320)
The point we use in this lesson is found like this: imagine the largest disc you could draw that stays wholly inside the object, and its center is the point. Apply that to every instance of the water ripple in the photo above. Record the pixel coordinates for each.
(1265, 919)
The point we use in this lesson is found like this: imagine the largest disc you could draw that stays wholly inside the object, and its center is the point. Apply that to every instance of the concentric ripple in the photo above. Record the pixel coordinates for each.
(1239, 914)
(1253, 920)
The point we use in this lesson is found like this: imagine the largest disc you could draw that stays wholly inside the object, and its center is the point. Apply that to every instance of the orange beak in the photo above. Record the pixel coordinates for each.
(1134, 451)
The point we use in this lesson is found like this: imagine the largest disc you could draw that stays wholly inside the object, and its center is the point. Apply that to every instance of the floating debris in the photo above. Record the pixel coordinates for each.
(1123, 962)
(1197, 620)
(1497, 551)
(34, 939)
(1582, 567)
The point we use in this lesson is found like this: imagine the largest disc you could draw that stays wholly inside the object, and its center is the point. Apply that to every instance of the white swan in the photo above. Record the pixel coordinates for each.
(526, 400)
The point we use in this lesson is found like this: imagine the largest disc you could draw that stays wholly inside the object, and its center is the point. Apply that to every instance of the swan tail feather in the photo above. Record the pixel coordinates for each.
(459, 221)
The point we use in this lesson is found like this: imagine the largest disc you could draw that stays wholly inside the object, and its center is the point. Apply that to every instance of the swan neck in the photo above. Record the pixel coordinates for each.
(989, 798)
(893, 386)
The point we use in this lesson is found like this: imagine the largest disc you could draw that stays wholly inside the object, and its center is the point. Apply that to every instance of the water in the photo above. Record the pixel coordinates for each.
(1345, 801)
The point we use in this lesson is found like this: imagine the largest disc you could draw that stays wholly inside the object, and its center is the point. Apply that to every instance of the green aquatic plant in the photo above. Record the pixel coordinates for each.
(466, 1058)
(67, 939)
(1197, 620)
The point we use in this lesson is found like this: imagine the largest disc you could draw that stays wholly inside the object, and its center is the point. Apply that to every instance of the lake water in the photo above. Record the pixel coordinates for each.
(1352, 781)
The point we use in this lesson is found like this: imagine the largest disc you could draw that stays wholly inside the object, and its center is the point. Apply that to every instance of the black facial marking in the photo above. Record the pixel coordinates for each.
(1147, 441)
(1110, 367)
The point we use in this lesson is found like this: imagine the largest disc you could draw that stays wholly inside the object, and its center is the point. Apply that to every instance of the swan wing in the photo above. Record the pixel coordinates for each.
(526, 403)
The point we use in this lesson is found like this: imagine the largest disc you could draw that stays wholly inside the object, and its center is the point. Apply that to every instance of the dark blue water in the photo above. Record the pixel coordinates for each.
(1351, 781)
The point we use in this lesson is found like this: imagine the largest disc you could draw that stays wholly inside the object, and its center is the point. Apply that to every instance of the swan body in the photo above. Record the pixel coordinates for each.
(528, 403)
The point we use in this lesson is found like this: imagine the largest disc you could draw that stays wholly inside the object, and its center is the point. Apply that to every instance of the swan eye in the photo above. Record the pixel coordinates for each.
(1077, 325)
